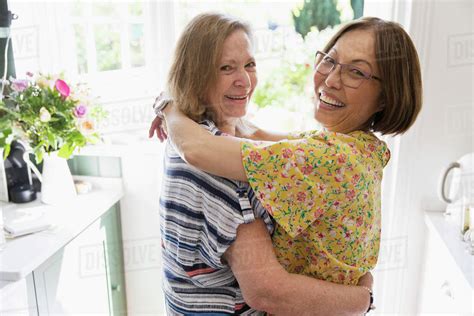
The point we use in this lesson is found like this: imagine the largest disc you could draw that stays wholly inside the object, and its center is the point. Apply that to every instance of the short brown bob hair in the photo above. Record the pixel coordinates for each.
(400, 71)
(196, 60)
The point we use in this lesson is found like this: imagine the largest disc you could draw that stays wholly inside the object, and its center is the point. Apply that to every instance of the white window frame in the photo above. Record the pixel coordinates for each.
(129, 82)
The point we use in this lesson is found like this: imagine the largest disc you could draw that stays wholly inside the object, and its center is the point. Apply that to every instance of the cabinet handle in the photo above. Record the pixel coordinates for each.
(116, 287)
(446, 289)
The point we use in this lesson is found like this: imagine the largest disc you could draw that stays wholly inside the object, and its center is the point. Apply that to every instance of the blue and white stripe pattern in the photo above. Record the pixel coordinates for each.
(199, 216)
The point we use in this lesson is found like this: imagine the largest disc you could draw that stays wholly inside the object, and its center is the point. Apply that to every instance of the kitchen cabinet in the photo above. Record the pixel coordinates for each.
(86, 276)
(78, 268)
(447, 286)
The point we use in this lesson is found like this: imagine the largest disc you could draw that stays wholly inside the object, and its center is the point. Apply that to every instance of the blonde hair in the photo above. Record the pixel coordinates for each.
(196, 59)
(400, 71)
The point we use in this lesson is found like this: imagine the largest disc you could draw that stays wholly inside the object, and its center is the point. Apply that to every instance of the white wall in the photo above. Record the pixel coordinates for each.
(444, 35)
(141, 167)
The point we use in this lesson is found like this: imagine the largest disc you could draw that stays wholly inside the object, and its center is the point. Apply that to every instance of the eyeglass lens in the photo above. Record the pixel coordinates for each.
(351, 75)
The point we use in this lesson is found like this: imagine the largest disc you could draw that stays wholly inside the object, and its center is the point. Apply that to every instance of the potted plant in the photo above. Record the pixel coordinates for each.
(54, 119)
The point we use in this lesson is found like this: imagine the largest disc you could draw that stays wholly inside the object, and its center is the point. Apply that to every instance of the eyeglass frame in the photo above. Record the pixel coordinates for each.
(366, 75)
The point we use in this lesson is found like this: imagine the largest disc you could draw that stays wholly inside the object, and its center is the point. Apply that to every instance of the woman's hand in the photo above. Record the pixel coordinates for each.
(158, 126)
(366, 280)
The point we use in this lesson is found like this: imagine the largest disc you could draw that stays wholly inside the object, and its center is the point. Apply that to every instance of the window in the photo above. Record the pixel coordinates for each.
(108, 36)
(123, 51)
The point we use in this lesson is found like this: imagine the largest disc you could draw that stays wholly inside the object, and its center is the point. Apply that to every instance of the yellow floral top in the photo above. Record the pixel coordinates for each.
(323, 190)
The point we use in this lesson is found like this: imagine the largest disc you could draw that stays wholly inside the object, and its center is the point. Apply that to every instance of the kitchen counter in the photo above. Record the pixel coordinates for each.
(448, 232)
(20, 256)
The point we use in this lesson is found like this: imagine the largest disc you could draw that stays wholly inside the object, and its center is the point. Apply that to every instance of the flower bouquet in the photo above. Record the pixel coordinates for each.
(44, 112)
(48, 114)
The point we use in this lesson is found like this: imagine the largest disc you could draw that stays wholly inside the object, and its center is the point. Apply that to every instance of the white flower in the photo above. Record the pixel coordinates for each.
(43, 82)
(44, 115)
(86, 127)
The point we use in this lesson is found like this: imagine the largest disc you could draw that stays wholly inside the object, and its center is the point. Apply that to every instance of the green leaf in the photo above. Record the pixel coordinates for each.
(6, 151)
(66, 151)
(39, 156)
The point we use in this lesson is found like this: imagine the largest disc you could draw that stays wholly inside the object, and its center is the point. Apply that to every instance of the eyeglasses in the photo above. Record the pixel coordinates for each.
(351, 76)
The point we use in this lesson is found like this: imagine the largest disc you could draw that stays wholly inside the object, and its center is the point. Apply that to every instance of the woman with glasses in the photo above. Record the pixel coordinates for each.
(323, 188)
(212, 77)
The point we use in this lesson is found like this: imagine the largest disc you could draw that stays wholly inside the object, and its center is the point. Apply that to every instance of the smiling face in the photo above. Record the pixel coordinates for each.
(236, 80)
(340, 108)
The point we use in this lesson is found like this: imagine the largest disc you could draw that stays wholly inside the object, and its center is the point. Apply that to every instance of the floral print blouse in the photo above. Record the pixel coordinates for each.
(323, 191)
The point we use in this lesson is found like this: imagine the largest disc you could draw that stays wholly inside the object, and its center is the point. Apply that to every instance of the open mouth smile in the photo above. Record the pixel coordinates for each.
(236, 97)
(330, 101)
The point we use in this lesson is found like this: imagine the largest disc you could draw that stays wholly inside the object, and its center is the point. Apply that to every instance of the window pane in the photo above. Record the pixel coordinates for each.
(105, 9)
(136, 8)
(77, 8)
(81, 48)
(137, 45)
(107, 43)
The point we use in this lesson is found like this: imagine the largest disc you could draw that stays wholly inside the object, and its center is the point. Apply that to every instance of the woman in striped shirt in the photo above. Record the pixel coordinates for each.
(217, 252)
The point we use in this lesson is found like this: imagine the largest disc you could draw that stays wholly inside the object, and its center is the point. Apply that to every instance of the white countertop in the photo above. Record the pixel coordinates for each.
(21, 255)
(450, 234)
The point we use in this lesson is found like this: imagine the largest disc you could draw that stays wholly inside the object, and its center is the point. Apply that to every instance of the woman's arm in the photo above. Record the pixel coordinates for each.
(214, 154)
(260, 134)
(266, 286)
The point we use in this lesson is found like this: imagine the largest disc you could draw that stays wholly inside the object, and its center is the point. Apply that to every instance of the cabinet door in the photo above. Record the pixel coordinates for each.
(114, 261)
(444, 290)
(18, 298)
(74, 280)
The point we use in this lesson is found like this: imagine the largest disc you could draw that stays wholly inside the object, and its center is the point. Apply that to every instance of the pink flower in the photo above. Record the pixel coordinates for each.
(255, 156)
(365, 195)
(355, 179)
(341, 158)
(339, 175)
(80, 110)
(347, 235)
(318, 213)
(301, 196)
(306, 169)
(269, 186)
(62, 88)
(287, 153)
(321, 188)
(300, 152)
(19, 85)
(350, 195)
(338, 178)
